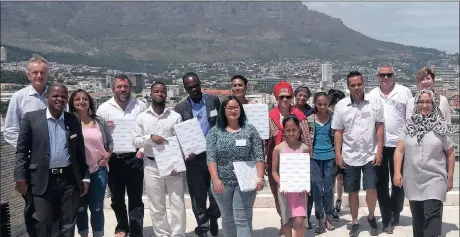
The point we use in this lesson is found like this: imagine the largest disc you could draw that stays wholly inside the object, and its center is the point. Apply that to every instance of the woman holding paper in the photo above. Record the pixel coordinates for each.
(239, 88)
(98, 149)
(293, 206)
(234, 140)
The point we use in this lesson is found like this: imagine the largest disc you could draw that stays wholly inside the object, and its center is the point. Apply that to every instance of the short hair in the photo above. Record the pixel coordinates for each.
(297, 90)
(36, 59)
(59, 85)
(383, 65)
(335, 96)
(123, 77)
(190, 74)
(354, 74)
(424, 72)
(241, 77)
(158, 83)
(92, 110)
(222, 118)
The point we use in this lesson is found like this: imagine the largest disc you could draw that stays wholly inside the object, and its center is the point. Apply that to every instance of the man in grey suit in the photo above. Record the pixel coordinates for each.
(56, 173)
(204, 108)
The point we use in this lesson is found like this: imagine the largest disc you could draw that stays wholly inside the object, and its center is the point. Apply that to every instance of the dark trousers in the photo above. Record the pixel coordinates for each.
(126, 175)
(58, 204)
(199, 182)
(29, 210)
(389, 205)
(322, 179)
(426, 218)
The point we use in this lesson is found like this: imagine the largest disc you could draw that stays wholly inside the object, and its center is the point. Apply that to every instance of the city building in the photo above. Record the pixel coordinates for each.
(263, 83)
(3, 54)
(326, 72)
(137, 81)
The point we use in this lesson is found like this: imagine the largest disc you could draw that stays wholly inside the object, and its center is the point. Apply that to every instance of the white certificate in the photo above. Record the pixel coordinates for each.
(246, 174)
(294, 172)
(168, 157)
(190, 136)
(257, 115)
(123, 135)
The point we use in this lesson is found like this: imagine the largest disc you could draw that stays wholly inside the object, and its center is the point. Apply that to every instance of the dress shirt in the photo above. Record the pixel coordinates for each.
(25, 100)
(394, 111)
(110, 109)
(199, 112)
(150, 123)
(359, 140)
(58, 141)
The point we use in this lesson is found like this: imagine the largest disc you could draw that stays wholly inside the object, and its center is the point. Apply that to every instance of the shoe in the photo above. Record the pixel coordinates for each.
(374, 231)
(388, 229)
(395, 221)
(354, 231)
(202, 235)
(310, 226)
(338, 206)
(213, 227)
(335, 217)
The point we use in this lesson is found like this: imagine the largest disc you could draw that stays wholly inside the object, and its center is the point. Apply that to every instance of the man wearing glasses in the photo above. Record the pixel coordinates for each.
(394, 98)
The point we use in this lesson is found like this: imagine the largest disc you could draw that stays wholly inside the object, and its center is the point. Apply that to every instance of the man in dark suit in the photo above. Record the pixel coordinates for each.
(56, 173)
(204, 108)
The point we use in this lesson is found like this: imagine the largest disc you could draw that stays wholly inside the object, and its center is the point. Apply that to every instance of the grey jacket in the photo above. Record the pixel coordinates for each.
(105, 131)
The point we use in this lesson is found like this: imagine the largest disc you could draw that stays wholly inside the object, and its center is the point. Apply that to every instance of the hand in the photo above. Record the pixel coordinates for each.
(397, 180)
(139, 155)
(260, 184)
(218, 186)
(21, 186)
(377, 159)
(84, 189)
(306, 192)
(158, 139)
(174, 172)
(450, 183)
(339, 162)
(111, 124)
(104, 159)
(191, 156)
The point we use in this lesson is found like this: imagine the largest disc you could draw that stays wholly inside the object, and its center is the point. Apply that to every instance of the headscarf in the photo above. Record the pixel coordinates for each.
(418, 125)
(275, 113)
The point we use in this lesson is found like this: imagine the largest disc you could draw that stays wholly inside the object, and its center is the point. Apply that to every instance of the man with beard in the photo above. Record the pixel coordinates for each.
(153, 126)
(203, 107)
(358, 142)
(30, 98)
(394, 98)
(56, 174)
(126, 170)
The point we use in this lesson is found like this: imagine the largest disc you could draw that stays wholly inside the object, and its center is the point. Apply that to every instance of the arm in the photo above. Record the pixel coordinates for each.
(275, 164)
(448, 147)
(12, 122)
(108, 136)
(380, 132)
(338, 147)
(398, 159)
(306, 134)
(211, 154)
(24, 145)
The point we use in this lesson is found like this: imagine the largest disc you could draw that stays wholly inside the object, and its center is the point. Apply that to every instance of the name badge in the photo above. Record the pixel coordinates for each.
(213, 113)
(365, 114)
(241, 142)
(73, 136)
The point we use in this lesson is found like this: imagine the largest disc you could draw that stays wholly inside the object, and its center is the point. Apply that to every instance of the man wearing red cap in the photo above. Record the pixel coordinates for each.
(283, 93)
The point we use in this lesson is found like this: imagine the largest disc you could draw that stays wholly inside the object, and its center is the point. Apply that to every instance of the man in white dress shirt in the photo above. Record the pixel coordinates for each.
(28, 99)
(153, 126)
(359, 133)
(394, 98)
(126, 170)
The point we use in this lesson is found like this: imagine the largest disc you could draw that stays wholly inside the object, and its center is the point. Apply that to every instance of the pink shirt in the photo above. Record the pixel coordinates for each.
(94, 146)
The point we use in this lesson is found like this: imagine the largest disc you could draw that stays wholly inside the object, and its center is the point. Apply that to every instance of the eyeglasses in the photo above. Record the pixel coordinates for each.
(386, 75)
(236, 108)
(287, 97)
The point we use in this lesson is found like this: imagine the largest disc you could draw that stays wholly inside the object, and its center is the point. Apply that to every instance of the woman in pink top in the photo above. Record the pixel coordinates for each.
(293, 206)
(98, 149)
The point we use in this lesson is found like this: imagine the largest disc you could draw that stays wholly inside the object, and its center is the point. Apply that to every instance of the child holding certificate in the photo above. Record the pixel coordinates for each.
(293, 206)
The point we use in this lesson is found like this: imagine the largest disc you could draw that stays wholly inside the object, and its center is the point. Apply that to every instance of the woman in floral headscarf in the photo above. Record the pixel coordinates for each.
(427, 148)
(283, 93)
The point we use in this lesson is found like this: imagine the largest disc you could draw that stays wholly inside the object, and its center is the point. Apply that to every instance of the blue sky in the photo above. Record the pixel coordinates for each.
(425, 24)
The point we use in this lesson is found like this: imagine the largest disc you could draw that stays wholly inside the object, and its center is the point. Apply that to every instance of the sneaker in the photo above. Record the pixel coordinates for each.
(354, 231)
(338, 206)
(388, 229)
(335, 217)
(374, 231)
(395, 219)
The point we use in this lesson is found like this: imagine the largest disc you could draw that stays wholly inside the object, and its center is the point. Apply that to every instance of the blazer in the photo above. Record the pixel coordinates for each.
(184, 108)
(34, 141)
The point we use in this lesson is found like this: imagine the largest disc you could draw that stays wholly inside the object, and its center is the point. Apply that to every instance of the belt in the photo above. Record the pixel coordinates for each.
(59, 171)
(124, 155)
(151, 158)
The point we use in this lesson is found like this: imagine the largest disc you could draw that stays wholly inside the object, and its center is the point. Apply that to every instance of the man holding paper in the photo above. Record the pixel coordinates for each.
(153, 127)
(204, 108)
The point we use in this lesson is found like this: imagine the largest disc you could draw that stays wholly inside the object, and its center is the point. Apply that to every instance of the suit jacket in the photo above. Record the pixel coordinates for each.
(184, 108)
(34, 141)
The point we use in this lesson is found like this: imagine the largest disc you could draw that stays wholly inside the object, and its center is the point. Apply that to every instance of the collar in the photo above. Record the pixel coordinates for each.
(165, 112)
(202, 101)
(393, 91)
(32, 91)
(365, 99)
(49, 116)
(114, 103)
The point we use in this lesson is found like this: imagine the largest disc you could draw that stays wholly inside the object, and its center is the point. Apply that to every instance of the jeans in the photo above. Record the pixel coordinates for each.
(95, 200)
(236, 210)
(322, 186)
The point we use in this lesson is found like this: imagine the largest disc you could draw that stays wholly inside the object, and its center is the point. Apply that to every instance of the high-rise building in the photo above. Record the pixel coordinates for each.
(3, 54)
(137, 81)
(326, 72)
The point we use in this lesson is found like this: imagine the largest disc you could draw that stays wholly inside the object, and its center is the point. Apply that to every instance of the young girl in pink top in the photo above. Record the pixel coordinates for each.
(293, 206)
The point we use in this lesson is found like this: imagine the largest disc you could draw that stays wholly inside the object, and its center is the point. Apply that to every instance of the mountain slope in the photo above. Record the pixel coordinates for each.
(187, 31)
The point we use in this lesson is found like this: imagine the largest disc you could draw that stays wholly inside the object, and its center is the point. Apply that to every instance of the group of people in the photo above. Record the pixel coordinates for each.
(65, 158)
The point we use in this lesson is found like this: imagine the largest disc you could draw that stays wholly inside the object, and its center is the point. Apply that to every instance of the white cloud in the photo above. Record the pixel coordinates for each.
(425, 24)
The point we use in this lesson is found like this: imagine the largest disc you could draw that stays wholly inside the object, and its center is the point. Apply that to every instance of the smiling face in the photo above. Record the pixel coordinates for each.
(322, 104)
(238, 87)
(356, 86)
(291, 130)
(426, 83)
(301, 98)
(57, 98)
(232, 110)
(122, 89)
(386, 78)
(425, 104)
(81, 102)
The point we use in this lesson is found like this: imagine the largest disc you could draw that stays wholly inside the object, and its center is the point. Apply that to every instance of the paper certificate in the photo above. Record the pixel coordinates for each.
(246, 174)
(294, 172)
(257, 115)
(168, 157)
(190, 136)
(123, 135)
